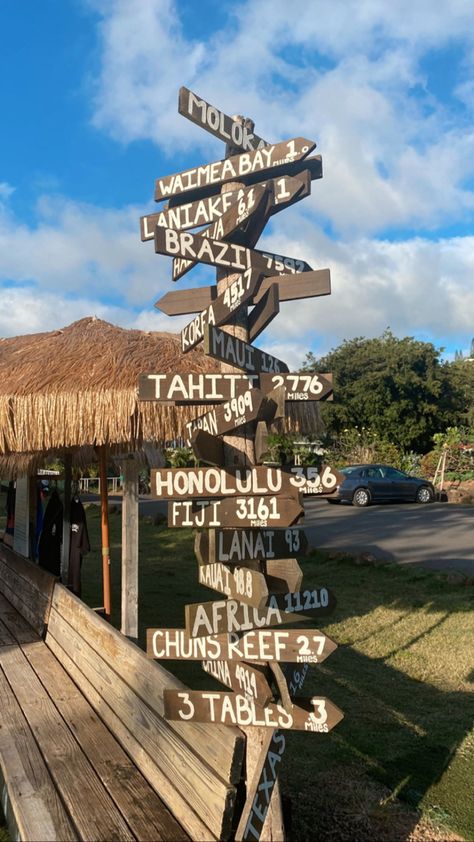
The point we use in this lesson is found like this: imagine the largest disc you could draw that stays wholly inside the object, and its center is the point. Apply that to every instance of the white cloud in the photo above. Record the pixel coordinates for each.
(392, 155)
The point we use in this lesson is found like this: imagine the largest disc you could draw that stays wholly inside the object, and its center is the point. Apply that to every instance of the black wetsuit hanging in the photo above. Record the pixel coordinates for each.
(79, 545)
(49, 545)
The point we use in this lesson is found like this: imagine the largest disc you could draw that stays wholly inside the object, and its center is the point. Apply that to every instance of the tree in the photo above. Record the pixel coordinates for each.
(399, 388)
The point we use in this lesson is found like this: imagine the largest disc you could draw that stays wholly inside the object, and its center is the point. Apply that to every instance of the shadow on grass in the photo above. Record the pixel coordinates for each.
(403, 731)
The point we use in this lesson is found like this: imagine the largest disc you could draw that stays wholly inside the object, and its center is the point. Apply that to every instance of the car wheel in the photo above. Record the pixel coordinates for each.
(361, 497)
(424, 494)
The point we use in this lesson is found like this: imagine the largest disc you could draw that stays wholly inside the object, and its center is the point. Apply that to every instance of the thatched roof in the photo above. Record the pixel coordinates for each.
(78, 386)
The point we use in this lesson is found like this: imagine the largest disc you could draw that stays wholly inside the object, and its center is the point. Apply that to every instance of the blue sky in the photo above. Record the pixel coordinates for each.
(89, 108)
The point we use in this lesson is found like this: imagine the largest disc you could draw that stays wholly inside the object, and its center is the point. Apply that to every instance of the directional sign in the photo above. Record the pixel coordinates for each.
(316, 714)
(296, 645)
(263, 163)
(238, 293)
(264, 312)
(313, 166)
(299, 387)
(291, 287)
(287, 190)
(229, 349)
(236, 511)
(174, 483)
(229, 256)
(208, 448)
(262, 261)
(234, 545)
(310, 481)
(245, 584)
(194, 388)
(216, 122)
(253, 201)
(252, 406)
(283, 574)
(250, 681)
(229, 615)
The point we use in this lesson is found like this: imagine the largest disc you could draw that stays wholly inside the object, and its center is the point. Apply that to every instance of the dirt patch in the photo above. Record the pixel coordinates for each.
(460, 492)
(348, 806)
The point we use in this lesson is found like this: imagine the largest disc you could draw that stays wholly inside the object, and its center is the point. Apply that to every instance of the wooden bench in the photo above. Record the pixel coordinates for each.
(84, 750)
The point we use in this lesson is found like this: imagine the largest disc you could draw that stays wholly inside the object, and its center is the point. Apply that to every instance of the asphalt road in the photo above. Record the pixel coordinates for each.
(439, 536)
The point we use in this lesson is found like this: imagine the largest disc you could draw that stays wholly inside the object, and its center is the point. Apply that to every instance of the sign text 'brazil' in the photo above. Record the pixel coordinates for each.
(224, 255)
(237, 168)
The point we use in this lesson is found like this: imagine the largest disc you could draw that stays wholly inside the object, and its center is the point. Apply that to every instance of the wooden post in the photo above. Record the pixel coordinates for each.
(273, 828)
(104, 505)
(66, 518)
(129, 625)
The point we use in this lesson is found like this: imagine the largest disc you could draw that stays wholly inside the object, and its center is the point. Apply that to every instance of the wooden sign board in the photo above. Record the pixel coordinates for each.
(230, 615)
(261, 163)
(310, 481)
(235, 545)
(229, 349)
(245, 584)
(316, 714)
(295, 645)
(299, 387)
(216, 122)
(283, 574)
(238, 293)
(264, 312)
(261, 261)
(313, 166)
(249, 681)
(291, 287)
(252, 406)
(194, 388)
(175, 483)
(224, 255)
(208, 448)
(287, 190)
(230, 512)
(255, 200)
(260, 441)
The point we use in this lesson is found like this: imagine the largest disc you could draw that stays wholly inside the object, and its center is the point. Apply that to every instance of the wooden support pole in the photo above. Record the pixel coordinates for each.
(66, 518)
(240, 450)
(104, 506)
(129, 625)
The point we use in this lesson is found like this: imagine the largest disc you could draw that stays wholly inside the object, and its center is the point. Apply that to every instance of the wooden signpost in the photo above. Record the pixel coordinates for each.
(248, 168)
(246, 513)
(266, 510)
(229, 349)
(290, 288)
(253, 544)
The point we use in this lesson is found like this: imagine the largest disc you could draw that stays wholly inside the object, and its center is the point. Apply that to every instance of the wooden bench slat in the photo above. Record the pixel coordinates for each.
(222, 747)
(92, 810)
(27, 586)
(191, 822)
(147, 816)
(19, 628)
(211, 798)
(6, 638)
(37, 809)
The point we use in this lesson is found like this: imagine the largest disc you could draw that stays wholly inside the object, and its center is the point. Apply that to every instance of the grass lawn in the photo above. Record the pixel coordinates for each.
(402, 674)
